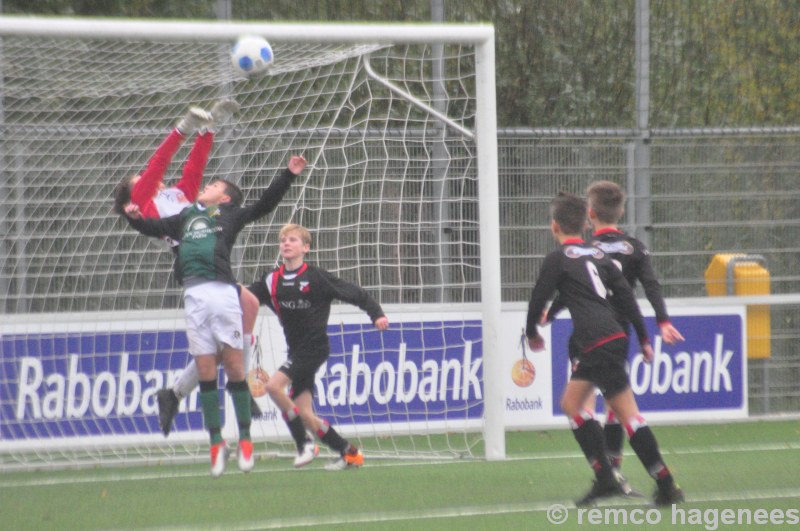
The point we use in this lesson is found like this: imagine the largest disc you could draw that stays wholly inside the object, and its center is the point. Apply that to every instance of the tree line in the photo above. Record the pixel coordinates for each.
(570, 63)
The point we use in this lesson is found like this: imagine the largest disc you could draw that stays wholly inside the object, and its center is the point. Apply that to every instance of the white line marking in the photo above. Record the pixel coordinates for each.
(155, 474)
(478, 510)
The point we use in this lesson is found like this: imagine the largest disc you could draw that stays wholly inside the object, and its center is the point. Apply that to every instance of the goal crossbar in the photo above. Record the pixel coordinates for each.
(224, 31)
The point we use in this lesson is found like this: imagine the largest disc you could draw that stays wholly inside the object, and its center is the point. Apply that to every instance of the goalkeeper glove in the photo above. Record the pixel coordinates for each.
(221, 112)
(194, 120)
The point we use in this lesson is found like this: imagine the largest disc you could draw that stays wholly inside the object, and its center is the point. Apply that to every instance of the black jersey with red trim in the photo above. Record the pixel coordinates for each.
(633, 258)
(207, 235)
(584, 278)
(302, 301)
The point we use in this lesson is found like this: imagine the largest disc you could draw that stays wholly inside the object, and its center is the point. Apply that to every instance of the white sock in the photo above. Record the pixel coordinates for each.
(188, 380)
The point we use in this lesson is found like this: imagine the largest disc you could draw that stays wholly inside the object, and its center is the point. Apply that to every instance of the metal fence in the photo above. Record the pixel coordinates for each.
(710, 192)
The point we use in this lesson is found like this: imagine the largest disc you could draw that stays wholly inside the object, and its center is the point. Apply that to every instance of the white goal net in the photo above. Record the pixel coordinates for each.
(400, 161)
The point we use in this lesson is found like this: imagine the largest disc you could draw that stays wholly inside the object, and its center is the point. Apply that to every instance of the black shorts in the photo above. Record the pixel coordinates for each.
(604, 366)
(302, 371)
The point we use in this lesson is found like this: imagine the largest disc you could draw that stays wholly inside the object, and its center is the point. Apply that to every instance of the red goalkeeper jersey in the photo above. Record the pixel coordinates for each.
(157, 202)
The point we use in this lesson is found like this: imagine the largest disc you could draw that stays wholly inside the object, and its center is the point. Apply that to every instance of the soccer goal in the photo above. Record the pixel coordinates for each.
(398, 125)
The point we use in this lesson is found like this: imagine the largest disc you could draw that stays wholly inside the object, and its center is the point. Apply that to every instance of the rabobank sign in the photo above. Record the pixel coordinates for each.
(424, 371)
(83, 384)
(57, 385)
(415, 371)
(707, 371)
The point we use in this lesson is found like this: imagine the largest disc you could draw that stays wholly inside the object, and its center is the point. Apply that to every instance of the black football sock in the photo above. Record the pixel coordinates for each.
(589, 434)
(331, 437)
(296, 427)
(645, 445)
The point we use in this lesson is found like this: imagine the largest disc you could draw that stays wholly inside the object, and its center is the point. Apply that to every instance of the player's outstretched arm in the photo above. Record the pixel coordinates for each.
(133, 211)
(151, 178)
(297, 164)
(536, 343)
(337, 288)
(192, 175)
(669, 333)
(647, 352)
(157, 228)
(542, 292)
(260, 290)
(275, 192)
(555, 307)
(652, 288)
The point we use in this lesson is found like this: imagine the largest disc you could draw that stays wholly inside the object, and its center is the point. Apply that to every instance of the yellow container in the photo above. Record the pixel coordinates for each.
(740, 274)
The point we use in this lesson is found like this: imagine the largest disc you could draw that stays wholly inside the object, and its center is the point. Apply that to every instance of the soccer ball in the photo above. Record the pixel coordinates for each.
(251, 55)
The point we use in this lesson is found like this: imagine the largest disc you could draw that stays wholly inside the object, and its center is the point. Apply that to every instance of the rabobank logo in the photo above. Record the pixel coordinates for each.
(524, 404)
(64, 385)
(257, 380)
(684, 372)
(705, 372)
(77, 394)
(523, 373)
(74, 385)
(416, 371)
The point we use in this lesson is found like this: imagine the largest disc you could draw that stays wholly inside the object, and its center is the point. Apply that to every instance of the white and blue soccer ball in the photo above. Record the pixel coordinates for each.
(252, 55)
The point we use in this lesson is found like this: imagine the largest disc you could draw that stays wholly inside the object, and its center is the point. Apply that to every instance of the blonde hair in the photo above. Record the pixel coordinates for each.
(303, 232)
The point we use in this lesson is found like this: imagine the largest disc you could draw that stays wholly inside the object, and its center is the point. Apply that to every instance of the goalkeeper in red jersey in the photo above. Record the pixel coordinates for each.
(300, 294)
(156, 201)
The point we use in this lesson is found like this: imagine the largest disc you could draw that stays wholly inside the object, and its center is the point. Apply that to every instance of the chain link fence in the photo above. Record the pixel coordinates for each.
(711, 192)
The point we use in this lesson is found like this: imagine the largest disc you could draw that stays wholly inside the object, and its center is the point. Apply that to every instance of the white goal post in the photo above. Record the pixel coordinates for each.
(398, 124)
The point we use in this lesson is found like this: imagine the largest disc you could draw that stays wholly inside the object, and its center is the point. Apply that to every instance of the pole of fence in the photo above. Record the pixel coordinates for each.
(642, 221)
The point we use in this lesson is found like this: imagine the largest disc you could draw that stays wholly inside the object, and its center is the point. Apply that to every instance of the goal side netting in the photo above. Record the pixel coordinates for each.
(398, 196)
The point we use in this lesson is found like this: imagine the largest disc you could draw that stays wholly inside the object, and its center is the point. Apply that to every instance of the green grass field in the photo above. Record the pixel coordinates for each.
(739, 466)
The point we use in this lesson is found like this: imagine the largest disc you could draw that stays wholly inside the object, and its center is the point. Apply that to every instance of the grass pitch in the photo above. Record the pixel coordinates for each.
(744, 468)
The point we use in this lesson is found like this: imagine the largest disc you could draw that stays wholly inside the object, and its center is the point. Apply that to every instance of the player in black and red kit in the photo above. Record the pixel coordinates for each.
(606, 203)
(300, 294)
(584, 277)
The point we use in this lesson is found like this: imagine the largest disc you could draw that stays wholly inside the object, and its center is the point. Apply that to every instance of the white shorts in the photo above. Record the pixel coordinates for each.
(213, 317)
